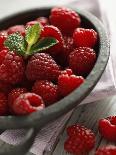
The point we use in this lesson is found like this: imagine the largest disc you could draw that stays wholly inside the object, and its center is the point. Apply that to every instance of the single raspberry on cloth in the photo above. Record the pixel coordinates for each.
(80, 141)
(106, 150)
(107, 128)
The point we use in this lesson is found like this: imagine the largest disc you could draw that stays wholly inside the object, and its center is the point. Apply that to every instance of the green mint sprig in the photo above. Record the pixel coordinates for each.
(31, 43)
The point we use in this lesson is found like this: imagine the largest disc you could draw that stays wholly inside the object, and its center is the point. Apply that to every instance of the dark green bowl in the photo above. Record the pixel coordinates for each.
(38, 119)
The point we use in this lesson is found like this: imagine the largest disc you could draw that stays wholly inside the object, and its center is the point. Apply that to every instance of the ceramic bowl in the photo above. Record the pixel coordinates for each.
(37, 120)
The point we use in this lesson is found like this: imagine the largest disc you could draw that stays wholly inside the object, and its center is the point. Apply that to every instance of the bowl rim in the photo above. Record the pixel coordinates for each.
(41, 118)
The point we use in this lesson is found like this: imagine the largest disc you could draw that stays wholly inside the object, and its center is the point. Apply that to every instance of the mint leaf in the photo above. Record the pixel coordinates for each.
(43, 44)
(15, 42)
(31, 43)
(32, 35)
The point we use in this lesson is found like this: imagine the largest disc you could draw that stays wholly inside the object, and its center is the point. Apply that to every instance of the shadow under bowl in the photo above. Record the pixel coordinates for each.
(61, 107)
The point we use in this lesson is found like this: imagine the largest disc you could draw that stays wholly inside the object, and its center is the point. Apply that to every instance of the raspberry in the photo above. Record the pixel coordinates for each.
(3, 32)
(4, 48)
(3, 104)
(12, 96)
(5, 87)
(11, 67)
(75, 146)
(67, 83)
(27, 103)
(43, 21)
(65, 19)
(17, 28)
(107, 128)
(108, 150)
(68, 48)
(47, 90)
(52, 31)
(31, 23)
(78, 130)
(63, 56)
(84, 37)
(41, 66)
(67, 71)
(3, 36)
(81, 140)
(82, 60)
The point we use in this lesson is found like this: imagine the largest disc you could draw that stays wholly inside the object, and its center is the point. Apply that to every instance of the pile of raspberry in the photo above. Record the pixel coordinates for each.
(29, 85)
(82, 140)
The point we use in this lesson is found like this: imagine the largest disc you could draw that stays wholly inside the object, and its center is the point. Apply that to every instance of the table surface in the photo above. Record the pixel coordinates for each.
(87, 115)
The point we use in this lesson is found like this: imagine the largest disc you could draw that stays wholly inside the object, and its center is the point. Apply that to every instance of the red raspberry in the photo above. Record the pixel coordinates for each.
(4, 48)
(4, 33)
(52, 31)
(107, 128)
(17, 28)
(84, 37)
(67, 83)
(68, 45)
(108, 150)
(41, 66)
(78, 130)
(43, 20)
(12, 96)
(27, 103)
(67, 71)
(68, 48)
(11, 67)
(3, 104)
(5, 87)
(81, 140)
(3, 36)
(82, 60)
(65, 19)
(63, 56)
(31, 23)
(47, 90)
(75, 146)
